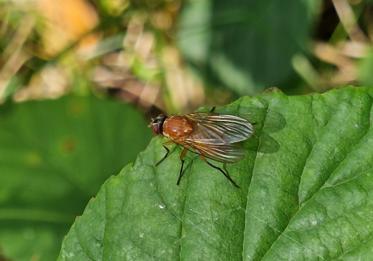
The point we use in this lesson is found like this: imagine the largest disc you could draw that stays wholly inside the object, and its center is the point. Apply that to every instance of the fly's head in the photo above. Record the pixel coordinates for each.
(157, 124)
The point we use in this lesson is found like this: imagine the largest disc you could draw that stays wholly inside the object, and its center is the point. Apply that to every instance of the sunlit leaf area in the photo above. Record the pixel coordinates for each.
(80, 80)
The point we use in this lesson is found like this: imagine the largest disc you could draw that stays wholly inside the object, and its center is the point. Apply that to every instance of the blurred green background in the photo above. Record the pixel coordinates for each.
(80, 78)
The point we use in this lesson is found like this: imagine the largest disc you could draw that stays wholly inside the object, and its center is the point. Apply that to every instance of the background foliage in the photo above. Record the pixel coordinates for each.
(78, 79)
(54, 157)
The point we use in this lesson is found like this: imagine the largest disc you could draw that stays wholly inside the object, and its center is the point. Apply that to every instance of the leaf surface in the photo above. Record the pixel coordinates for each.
(310, 199)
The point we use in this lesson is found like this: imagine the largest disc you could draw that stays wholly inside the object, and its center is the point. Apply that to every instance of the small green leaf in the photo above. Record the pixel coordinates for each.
(54, 155)
(365, 69)
(311, 199)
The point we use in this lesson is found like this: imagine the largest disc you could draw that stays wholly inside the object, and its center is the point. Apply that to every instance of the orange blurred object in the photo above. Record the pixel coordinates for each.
(66, 21)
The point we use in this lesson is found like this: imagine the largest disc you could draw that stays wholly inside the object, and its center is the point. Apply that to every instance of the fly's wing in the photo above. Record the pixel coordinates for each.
(224, 153)
(215, 136)
(215, 129)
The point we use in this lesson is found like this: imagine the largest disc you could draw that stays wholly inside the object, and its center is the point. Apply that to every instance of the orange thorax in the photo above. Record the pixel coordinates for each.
(177, 127)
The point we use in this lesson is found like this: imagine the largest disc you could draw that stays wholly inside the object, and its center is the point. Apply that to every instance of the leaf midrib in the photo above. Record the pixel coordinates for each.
(249, 186)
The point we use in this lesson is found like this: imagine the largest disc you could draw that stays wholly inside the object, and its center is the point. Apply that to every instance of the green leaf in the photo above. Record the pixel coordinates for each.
(245, 45)
(311, 199)
(54, 155)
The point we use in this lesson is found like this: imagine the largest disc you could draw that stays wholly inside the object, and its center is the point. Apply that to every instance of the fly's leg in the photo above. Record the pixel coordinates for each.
(181, 173)
(212, 109)
(165, 156)
(224, 172)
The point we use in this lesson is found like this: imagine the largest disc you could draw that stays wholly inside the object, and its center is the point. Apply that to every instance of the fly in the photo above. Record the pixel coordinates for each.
(211, 135)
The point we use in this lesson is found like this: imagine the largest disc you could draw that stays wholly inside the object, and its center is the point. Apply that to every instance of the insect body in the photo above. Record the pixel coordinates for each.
(210, 135)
